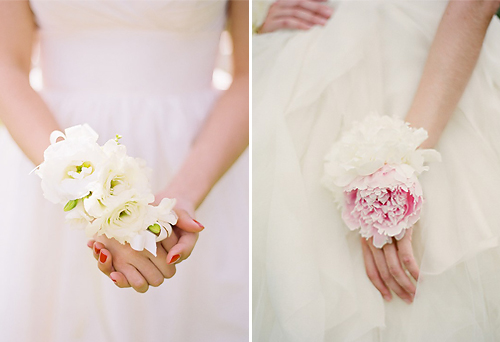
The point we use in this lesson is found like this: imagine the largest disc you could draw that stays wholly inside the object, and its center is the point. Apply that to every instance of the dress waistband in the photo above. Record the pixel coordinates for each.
(128, 61)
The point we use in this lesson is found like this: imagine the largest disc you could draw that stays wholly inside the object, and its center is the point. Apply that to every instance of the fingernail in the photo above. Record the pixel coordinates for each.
(174, 258)
(199, 224)
(97, 250)
(408, 301)
(322, 21)
(114, 281)
(102, 258)
(387, 298)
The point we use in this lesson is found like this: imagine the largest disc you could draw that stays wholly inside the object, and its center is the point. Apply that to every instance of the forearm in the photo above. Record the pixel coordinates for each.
(450, 63)
(24, 113)
(222, 140)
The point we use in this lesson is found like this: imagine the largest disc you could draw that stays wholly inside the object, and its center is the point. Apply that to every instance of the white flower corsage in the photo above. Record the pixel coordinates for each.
(372, 172)
(103, 190)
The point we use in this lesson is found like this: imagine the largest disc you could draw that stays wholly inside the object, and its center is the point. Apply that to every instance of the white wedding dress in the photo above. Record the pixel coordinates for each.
(142, 69)
(309, 282)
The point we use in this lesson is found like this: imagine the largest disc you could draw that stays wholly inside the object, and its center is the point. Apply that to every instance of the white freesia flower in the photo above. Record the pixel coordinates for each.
(166, 214)
(165, 219)
(371, 144)
(118, 175)
(69, 168)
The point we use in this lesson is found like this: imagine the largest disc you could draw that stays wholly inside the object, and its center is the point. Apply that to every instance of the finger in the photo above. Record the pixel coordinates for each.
(312, 6)
(372, 272)
(379, 257)
(97, 249)
(182, 250)
(306, 16)
(405, 252)
(278, 24)
(119, 279)
(292, 23)
(147, 269)
(396, 269)
(135, 278)
(105, 263)
(168, 271)
(171, 241)
(187, 223)
(318, 8)
(90, 244)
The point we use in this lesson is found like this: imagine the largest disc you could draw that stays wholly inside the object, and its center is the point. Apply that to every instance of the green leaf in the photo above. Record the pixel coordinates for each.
(155, 228)
(70, 205)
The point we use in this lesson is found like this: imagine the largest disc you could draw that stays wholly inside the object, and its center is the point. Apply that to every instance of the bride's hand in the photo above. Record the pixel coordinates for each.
(130, 268)
(295, 14)
(386, 267)
(171, 251)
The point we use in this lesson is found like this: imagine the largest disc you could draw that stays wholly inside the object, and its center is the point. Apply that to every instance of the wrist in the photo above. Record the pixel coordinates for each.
(427, 122)
(182, 201)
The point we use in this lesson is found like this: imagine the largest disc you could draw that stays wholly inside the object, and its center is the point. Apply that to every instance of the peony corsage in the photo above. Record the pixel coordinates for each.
(372, 172)
(103, 190)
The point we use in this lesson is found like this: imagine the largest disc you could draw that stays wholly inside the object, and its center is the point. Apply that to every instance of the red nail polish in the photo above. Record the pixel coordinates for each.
(102, 258)
(97, 250)
(114, 281)
(174, 258)
(199, 224)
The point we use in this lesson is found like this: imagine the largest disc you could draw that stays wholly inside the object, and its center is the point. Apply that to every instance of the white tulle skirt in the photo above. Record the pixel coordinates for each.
(309, 282)
(51, 289)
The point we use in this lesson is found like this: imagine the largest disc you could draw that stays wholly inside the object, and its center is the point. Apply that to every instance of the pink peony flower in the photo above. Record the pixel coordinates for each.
(383, 204)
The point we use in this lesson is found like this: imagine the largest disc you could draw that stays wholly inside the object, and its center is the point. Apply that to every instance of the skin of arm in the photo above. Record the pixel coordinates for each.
(451, 60)
(225, 134)
(22, 110)
(221, 141)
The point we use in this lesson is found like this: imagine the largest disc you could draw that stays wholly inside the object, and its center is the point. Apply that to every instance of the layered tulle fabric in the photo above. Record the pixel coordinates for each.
(158, 100)
(309, 279)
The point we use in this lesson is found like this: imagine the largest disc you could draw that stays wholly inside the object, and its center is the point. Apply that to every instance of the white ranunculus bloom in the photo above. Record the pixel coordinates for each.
(125, 220)
(118, 175)
(69, 168)
(77, 217)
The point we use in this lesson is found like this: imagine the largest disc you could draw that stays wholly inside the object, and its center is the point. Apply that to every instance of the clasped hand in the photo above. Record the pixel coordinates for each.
(141, 269)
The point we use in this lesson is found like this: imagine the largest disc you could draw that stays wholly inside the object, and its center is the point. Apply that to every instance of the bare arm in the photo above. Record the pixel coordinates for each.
(451, 60)
(225, 134)
(222, 140)
(22, 110)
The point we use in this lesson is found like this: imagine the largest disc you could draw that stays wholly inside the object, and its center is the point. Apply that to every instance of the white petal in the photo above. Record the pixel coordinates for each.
(150, 242)
(138, 242)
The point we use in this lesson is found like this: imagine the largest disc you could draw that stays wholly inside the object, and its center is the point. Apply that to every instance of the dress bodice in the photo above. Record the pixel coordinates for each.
(128, 46)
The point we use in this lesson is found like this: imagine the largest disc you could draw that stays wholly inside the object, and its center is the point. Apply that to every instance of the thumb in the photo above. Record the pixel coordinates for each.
(187, 223)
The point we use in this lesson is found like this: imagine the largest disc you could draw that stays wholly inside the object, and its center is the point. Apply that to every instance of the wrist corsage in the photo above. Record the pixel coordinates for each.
(103, 190)
(373, 172)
